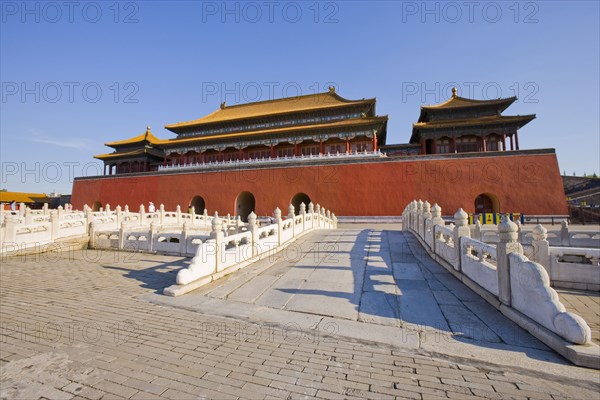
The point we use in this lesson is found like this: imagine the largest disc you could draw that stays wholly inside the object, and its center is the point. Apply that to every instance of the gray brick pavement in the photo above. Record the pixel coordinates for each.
(75, 328)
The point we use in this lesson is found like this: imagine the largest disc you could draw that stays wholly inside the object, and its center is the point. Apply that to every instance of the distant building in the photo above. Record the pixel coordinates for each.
(327, 149)
(32, 200)
(462, 125)
(292, 127)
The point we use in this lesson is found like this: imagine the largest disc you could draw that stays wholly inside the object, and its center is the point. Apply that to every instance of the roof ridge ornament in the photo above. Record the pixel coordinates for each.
(223, 105)
(332, 89)
(454, 92)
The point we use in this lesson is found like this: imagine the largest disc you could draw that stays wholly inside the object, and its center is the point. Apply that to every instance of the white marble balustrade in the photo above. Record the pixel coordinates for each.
(502, 274)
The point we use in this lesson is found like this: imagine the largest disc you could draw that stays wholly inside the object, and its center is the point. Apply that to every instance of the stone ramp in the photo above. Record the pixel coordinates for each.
(370, 284)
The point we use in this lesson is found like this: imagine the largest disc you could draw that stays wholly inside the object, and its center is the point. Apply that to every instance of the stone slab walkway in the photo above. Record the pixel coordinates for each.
(79, 325)
(585, 304)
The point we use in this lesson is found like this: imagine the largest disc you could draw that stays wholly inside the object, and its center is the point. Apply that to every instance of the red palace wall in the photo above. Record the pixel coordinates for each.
(525, 182)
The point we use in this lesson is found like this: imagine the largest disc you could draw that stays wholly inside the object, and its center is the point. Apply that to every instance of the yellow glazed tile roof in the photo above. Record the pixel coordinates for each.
(129, 153)
(144, 137)
(272, 107)
(19, 197)
(490, 120)
(336, 124)
(457, 102)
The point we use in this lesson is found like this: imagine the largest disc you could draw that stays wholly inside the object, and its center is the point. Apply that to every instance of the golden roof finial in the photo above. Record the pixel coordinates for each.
(223, 105)
(148, 129)
(453, 92)
(331, 89)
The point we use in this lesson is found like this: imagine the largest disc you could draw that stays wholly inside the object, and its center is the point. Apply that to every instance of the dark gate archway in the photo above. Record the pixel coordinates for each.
(297, 199)
(486, 203)
(244, 205)
(199, 204)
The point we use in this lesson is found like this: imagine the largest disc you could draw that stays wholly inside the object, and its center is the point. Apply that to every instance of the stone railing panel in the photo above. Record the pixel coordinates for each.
(168, 243)
(584, 239)
(36, 233)
(574, 265)
(137, 241)
(444, 245)
(478, 262)
(234, 249)
(73, 227)
(106, 240)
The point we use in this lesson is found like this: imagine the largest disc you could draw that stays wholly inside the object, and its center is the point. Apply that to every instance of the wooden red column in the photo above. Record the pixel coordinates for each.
(321, 147)
(374, 141)
(347, 146)
(512, 144)
(453, 144)
(423, 146)
(517, 140)
(483, 144)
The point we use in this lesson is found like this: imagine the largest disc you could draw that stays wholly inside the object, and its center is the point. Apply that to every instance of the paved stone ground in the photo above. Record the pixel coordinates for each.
(586, 304)
(79, 325)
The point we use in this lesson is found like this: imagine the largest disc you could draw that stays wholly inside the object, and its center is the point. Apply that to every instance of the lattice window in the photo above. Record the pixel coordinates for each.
(466, 144)
(335, 148)
(361, 146)
(287, 151)
(492, 143)
(310, 150)
(443, 146)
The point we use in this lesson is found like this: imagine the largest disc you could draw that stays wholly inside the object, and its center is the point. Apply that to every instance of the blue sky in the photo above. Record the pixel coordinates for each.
(77, 75)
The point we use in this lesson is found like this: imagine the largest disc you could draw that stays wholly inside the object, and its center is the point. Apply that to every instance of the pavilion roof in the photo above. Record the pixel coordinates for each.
(319, 101)
(144, 137)
(136, 152)
(457, 103)
(493, 120)
(290, 129)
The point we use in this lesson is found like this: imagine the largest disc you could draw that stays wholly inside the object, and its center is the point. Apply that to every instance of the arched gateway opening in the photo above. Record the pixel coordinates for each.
(486, 203)
(244, 205)
(297, 200)
(96, 206)
(199, 204)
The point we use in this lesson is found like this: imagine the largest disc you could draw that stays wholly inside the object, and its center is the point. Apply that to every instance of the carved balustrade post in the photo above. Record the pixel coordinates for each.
(508, 244)
(217, 234)
(541, 247)
(461, 229)
(303, 214)
(279, 222)
(253, 228)
(564, 234)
